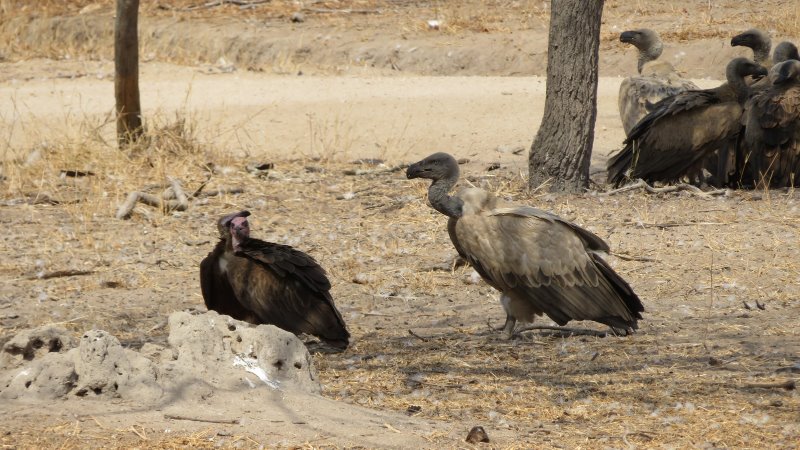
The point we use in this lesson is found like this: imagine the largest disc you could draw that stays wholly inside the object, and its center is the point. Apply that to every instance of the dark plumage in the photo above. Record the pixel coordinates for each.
(265, 283)
(758, 41)
(541, 263)
(772, 129)
(656, 80)
(674, 139)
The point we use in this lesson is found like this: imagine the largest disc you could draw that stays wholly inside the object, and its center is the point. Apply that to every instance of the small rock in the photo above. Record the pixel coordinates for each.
(298, 17)
(363, 278)
(413, 410)
(477, 434)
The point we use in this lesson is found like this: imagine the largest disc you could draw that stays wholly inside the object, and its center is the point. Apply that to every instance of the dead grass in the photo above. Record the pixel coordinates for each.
(684, 380)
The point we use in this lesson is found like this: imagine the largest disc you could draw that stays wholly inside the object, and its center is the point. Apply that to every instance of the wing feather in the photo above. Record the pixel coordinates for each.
(537, 256)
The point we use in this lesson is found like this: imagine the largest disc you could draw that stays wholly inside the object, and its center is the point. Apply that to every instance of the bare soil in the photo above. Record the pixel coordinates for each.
(718, 274)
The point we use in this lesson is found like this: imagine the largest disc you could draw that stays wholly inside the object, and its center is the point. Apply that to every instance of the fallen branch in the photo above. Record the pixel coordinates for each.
(417, 336)
(626, 257)
(641, 184)
(664, 225)
(342, 11)
(573, 331)
(200, 419)
(789, 385)
(179, 194)
(221, 191)
(61, 274)
(242, 4)
(382, 170)
(164, 202)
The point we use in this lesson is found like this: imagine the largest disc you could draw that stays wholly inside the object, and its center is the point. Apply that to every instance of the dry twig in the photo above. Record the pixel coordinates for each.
(641, 184)
(200, 419)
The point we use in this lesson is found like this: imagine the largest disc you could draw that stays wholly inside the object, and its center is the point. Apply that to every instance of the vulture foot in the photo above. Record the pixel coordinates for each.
(508, 328)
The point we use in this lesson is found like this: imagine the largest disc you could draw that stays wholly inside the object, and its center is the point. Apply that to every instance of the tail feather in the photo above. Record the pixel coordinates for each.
(625, 291)
(618, 166)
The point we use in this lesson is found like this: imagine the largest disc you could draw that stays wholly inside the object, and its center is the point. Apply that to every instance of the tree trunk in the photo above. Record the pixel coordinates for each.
(562, 149)
(126, 81)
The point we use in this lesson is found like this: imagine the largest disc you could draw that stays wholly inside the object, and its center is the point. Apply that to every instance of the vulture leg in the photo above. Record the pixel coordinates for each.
(511, 321)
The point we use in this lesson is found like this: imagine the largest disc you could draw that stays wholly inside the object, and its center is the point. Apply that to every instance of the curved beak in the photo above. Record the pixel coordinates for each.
(414, 170)
(627, 36)
(738, 40)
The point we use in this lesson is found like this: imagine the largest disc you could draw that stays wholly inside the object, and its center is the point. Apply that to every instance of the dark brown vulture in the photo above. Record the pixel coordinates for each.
(674, 139)
(540, 263)
(758, 41)
(772, 129)
(265, 283)
(783, 52)
(656, 80)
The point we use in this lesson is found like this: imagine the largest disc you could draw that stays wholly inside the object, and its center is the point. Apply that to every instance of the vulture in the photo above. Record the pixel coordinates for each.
(758, 41)
(783, 52)
(772, 129)
(674, 140)
(540, 263)
(656, 80)
(265, 283)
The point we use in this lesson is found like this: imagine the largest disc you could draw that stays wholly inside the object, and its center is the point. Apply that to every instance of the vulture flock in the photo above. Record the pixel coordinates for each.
(743, 133)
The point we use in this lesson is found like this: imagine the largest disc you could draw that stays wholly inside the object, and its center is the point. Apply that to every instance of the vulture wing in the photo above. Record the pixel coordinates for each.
(550, 263)
(217, 291)
(772, 121)
(676, 136)
(287, 288)
(637, 95)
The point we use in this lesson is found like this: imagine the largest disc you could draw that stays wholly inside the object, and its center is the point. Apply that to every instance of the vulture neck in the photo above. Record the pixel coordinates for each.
(440, 200)
(648, 54)
(739, 86)
(761, 54)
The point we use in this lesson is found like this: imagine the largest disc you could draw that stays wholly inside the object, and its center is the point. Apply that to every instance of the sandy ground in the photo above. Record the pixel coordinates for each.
(701, 372)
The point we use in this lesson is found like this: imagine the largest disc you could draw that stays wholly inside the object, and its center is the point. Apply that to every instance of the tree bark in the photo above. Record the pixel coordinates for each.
(126, 81)
(562, 150)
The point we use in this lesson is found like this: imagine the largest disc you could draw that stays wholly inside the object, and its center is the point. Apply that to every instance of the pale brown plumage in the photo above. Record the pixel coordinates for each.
(772, 129)
(674, 140)
(541, 264)
(656, 81)
(265, 283)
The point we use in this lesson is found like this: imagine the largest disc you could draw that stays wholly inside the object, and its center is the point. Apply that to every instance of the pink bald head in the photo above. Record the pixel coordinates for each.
(240, 231)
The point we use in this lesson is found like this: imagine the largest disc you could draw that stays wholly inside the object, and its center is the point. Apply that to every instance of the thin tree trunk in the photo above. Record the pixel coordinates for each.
(126, 81)
(562, 150)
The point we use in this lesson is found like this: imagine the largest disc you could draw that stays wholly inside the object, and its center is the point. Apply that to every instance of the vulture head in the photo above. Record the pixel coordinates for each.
(787, 71)
(235, 227)
(741, 67)
(755, 39)
(438, 166)
(784, 52)
(646, 41)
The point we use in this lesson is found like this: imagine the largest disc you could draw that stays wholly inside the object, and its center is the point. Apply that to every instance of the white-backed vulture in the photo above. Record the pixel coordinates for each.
(772, 129)
(783, 52)
(540, 263)
(656, 80)
(265, 283)
(758, 41)
(673, 140)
